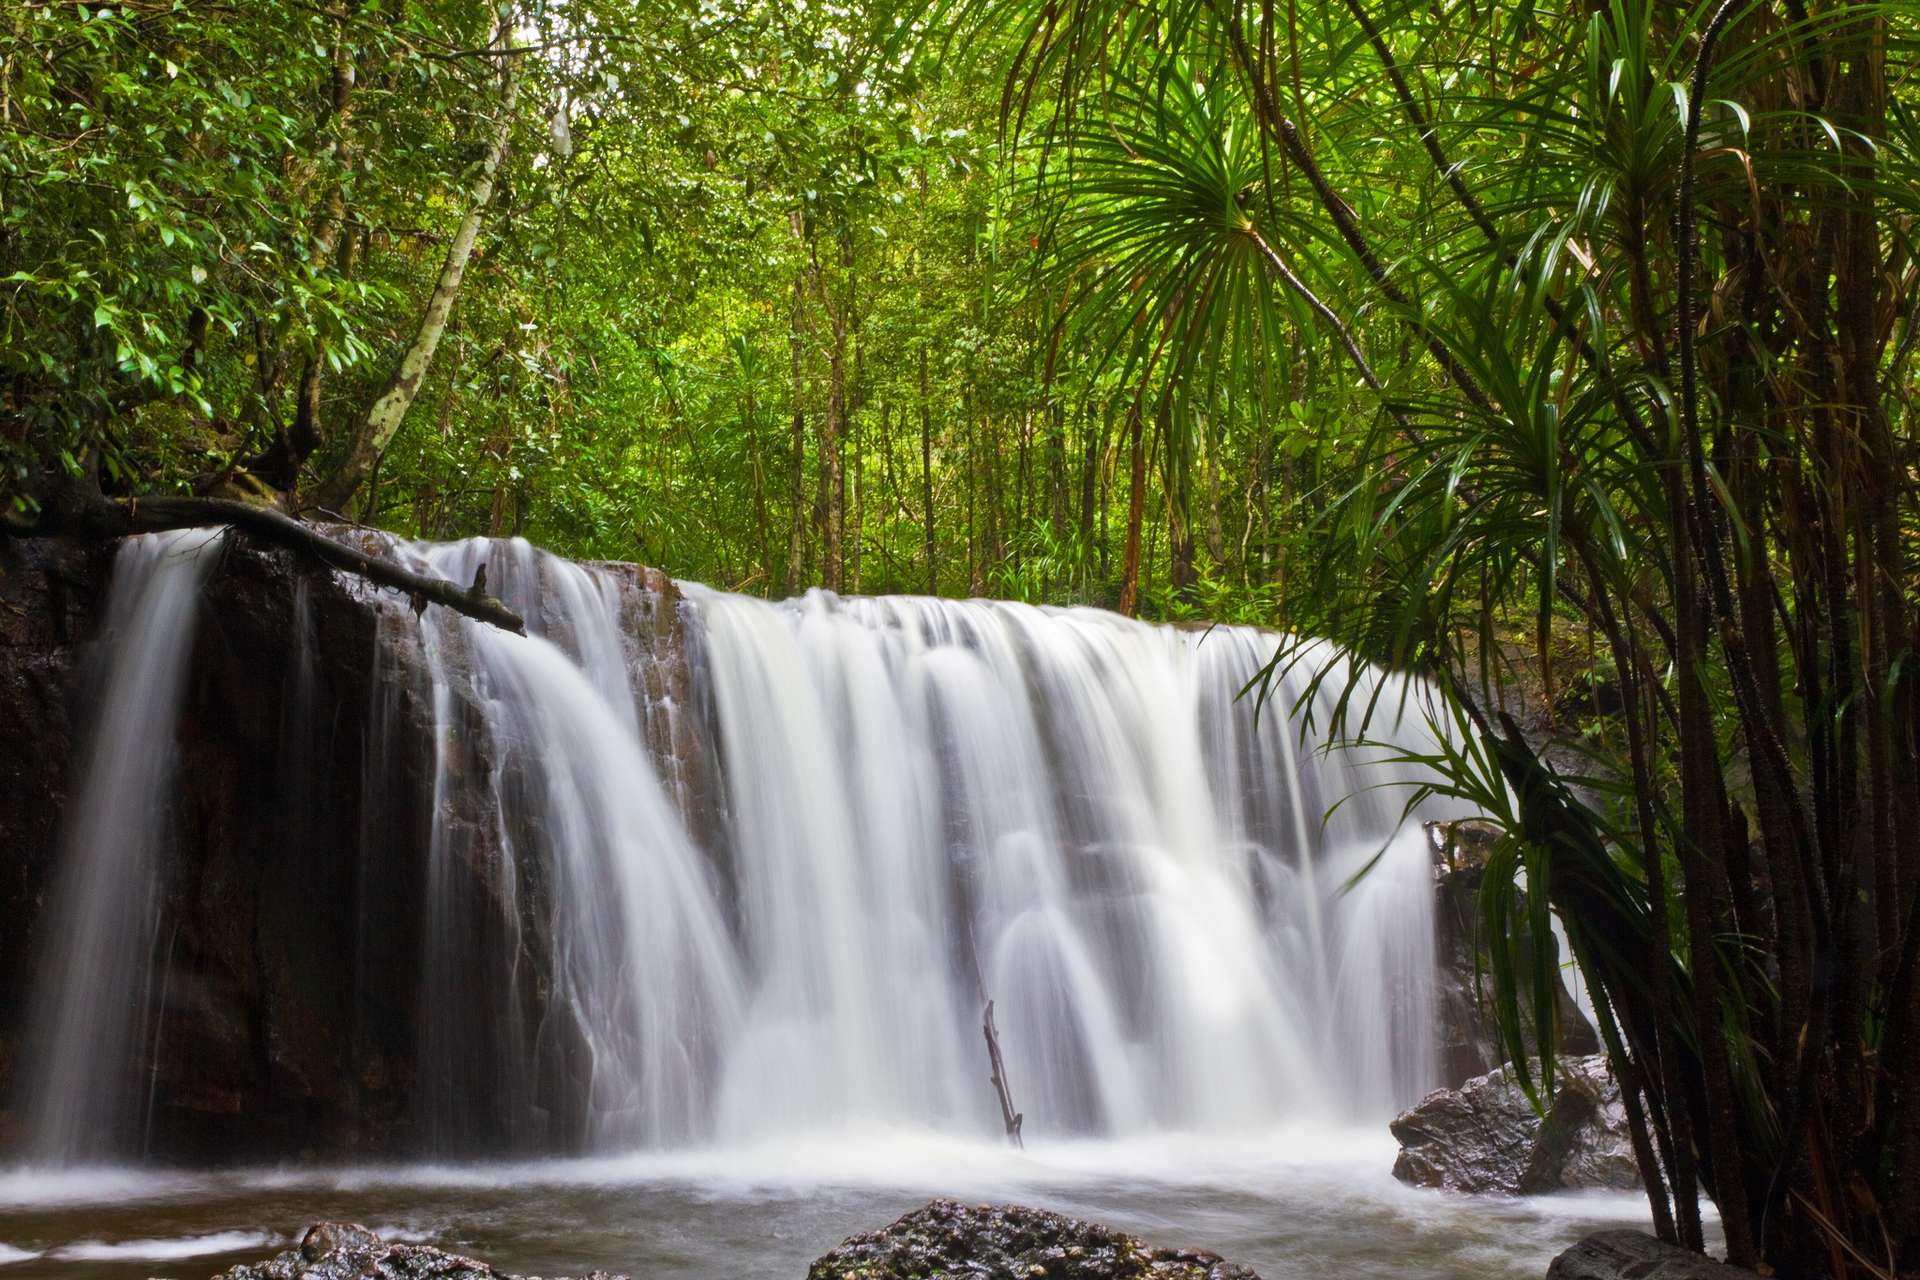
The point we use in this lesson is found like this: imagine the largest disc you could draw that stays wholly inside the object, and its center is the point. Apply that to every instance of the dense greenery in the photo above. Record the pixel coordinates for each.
(1570, 346)
(751, 298)
(1632, 288)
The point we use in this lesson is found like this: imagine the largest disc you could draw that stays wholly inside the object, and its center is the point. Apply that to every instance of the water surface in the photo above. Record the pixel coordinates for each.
(1296, 1203)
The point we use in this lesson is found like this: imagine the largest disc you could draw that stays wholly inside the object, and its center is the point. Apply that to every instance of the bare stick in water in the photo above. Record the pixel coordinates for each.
(999, 1080)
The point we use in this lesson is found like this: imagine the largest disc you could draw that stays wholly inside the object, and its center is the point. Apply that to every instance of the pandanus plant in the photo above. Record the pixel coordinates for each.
(1609, 311)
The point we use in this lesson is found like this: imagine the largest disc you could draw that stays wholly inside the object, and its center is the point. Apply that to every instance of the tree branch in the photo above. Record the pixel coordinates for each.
(377, 429)
(114, 519)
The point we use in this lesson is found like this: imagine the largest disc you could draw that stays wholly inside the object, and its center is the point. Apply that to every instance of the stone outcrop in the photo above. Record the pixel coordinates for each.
(1486, 1137)
(1469, 1034)
(1011, 1242)
(1634, 1255)
(300, 841)
(51, 593)
(265, 1043)
(344, 1251)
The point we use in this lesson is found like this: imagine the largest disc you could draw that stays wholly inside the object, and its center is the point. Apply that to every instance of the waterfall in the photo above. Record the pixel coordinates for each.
(89, 1031)
(703, 868)
(938, 802)
(642, 981)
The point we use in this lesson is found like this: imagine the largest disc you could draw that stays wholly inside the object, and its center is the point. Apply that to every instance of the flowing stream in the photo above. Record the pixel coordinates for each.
(766, 878)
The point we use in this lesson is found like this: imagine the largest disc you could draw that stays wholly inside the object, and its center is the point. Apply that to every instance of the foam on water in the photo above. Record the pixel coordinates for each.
(165, 1250)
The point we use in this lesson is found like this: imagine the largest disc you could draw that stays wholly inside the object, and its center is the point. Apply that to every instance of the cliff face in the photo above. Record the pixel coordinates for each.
(50, 598)
(288, 971)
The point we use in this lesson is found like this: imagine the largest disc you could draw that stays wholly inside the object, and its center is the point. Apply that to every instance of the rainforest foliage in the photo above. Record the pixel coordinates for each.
(751, 295)
(1575, 341)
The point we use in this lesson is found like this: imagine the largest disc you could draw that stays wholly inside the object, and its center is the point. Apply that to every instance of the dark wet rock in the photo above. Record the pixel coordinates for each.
(1486, 1137)
(274, 1031)
(345, 1251)
(1634, 1255)
(51, 591)
(678, 723)
(1011, 1242)
(300, 837)
(1468, 1030)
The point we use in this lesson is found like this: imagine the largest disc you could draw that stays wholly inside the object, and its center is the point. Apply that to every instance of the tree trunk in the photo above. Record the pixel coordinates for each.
(757, 479)
(832, 477)
(926, 477)
(797, 474)
(376, 430)
(1216, 539)
(857, 479)
(1177, 473)
(974, 585)
(1136, 511)
(1092, 445)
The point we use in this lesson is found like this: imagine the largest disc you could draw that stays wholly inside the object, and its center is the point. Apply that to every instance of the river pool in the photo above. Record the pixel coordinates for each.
(1297, 1203)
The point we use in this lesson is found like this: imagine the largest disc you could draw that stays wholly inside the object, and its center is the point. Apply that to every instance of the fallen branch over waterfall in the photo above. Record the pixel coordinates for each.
(119, 518)
(999, 1079)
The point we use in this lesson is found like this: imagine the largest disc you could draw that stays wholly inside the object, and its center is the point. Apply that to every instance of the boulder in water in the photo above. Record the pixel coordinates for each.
(346, 1251)
(1011, 1242)
(1486, 1137)
(1635, 1255)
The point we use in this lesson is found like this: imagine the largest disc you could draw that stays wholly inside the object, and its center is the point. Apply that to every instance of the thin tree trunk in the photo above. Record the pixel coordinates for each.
(757, 478)
(1136, 511)
(1216, 539)
(832, 474)
(280, 464)
(926, 477)
(376, 430)
(974, 586)
(1092, 443)
(797, 474)
(858, 481)
(830, 504)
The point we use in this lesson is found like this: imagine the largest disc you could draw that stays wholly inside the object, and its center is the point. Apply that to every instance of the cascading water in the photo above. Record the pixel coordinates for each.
(914, 806)
(939, 802)
(643, 983)
(90, 1031)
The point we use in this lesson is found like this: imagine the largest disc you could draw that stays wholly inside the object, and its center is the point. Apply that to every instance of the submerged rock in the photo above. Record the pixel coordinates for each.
(1011, 1242)
(1634, 1255)
(1486, 1137)
(345, 1251)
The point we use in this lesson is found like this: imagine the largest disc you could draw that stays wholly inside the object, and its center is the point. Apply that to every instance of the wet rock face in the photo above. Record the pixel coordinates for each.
(344, 1251)
(1010, 1242)
(300, 848)
(1634, 1255)
(1486, 1137)
(1469, 1032)
(283, 1017)
(300, 842)
(51, 592)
